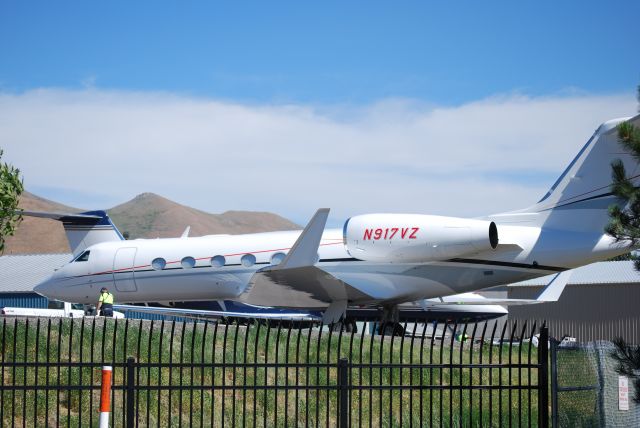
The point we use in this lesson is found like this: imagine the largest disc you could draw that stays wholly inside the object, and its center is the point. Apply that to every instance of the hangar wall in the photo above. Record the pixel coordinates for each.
(587, 312)
(22, 300)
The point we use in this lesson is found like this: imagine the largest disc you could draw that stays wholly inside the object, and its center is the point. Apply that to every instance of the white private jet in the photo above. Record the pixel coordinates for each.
(375, 260)
(459, 308)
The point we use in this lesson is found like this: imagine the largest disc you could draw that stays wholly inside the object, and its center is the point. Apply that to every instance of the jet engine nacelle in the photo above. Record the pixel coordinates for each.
(416, 238)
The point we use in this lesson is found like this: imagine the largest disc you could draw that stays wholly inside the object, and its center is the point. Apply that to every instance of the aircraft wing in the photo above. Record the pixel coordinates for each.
(551, 293)
(203, 313)
(296, 282)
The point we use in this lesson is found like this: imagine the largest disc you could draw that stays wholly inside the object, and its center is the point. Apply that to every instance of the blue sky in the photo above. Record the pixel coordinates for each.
(327, 52)
(288, 106)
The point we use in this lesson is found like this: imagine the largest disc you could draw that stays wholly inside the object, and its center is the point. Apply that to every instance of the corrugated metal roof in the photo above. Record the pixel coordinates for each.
(622, 272)
(25, 271)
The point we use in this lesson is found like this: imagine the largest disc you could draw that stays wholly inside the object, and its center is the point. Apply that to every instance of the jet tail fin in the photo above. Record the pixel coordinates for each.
(83, 229)
(584, 188)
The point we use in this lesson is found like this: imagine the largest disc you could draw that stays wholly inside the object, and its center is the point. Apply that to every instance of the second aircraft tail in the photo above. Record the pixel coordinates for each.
(83, 229)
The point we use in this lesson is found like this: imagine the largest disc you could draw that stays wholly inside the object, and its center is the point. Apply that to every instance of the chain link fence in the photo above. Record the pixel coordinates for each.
(584, 387)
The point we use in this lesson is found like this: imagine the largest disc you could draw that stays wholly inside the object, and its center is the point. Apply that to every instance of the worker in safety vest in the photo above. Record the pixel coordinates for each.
(105, 303)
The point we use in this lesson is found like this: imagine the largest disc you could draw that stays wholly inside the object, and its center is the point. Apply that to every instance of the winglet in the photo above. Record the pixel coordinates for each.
(554, 289)
(305, 251)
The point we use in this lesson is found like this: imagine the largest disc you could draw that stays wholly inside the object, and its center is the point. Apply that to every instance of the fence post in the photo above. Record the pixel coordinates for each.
(130, 392)
(343, 391)
(600, 366)
(543, 378)
(105, 396)
(554, 383)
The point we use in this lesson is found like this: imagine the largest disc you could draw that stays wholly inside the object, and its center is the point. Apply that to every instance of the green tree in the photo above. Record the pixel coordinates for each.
(628, 363)
(11, 188)
(624, 226)
(624, 218)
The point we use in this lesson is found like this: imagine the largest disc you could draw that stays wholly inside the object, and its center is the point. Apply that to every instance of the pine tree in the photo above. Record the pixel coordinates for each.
(624, 218)
(628, 363)
(624, 226)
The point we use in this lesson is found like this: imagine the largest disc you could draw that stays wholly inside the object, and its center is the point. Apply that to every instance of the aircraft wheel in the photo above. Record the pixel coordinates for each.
(392, 329)
(398, 329)
(347, 325)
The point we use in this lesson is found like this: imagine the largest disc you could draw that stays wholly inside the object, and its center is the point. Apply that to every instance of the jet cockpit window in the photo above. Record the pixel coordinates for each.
(83, 257)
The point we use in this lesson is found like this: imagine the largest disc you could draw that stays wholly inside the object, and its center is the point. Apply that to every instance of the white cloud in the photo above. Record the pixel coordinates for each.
(100, 147)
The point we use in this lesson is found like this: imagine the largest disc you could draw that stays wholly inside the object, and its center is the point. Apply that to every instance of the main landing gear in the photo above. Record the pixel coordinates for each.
(347, 325)
(390, 324)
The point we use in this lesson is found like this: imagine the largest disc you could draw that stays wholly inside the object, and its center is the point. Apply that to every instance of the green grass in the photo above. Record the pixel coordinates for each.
(209, 347)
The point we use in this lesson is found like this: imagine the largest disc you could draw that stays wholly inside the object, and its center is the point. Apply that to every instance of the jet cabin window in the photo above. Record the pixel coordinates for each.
(83, 257)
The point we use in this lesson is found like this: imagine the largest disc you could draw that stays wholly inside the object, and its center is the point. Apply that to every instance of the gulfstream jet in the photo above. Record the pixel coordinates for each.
(378, 260)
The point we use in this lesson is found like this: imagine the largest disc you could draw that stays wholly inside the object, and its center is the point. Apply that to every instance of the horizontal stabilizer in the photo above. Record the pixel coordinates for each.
(551, 293)
(479, 301)
(482, 302)
(83, 229)
(202, 313)
(64, 217)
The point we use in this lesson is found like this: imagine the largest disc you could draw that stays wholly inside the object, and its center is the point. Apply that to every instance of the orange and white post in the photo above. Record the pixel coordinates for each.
(105, 396)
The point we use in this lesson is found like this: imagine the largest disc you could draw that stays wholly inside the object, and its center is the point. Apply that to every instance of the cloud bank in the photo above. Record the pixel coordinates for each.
(95, 148)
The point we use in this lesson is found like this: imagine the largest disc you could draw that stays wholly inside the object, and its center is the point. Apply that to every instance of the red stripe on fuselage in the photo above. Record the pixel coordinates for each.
(201, 258)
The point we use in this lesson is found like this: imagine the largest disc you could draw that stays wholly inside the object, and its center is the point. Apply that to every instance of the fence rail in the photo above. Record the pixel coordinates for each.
(206, 373)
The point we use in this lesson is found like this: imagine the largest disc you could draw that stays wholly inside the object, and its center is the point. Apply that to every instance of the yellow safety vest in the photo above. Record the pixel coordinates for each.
(106, 298)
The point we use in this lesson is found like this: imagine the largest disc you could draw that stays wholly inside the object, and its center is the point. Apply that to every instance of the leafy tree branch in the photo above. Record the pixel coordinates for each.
(11, 187)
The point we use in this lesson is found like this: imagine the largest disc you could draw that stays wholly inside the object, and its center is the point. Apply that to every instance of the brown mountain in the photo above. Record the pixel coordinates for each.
(39, 235)
(145, 216)
(151, 216)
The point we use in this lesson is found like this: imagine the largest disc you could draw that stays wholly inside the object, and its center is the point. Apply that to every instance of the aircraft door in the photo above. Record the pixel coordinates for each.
(123, 276)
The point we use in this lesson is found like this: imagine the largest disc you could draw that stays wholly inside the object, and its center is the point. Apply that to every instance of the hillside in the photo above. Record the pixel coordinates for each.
(39, 235)
(150, 216)
(145, 216)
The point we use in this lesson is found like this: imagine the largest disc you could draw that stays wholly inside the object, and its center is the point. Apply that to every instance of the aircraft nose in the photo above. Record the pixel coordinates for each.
(45, 288)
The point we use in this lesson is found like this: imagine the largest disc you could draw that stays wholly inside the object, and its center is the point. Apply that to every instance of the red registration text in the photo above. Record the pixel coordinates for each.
(391, 233)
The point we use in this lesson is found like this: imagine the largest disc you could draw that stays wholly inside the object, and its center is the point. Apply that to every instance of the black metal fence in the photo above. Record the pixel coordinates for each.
(212, 374)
